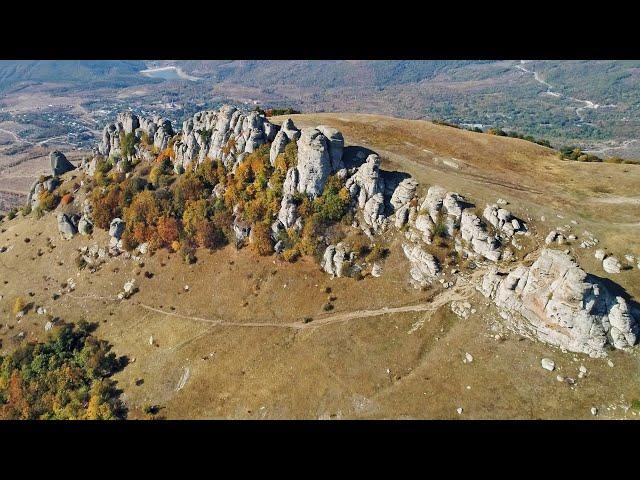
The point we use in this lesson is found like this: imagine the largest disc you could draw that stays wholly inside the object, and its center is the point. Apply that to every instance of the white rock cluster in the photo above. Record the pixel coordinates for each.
(564, 305)
(335, 259)
(226, 134)
(158, 130)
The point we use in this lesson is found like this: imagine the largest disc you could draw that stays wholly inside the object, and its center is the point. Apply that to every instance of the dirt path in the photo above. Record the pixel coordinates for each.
(445, 297)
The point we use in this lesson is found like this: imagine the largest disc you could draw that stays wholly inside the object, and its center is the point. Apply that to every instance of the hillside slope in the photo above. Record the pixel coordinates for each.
(236, 335)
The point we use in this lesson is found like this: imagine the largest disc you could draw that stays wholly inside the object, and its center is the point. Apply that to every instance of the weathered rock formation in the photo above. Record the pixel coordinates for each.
(226, 134)
(158, 130)
(424, 266)
(564, 305)
(335, 259)
(59, 163)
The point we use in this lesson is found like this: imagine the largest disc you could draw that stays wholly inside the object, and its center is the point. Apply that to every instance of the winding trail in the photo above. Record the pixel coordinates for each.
(588, 104)
(445, 297)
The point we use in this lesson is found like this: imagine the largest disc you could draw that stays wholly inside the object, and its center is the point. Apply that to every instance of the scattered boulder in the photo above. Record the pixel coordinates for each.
(611, 265)
(85, 227)
(502, 220)
(548, 364)
(66, 226)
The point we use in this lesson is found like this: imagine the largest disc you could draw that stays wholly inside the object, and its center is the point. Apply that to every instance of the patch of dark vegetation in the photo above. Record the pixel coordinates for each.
(67, 377)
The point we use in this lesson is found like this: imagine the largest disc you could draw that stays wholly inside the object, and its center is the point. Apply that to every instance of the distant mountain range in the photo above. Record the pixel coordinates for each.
(595, 104)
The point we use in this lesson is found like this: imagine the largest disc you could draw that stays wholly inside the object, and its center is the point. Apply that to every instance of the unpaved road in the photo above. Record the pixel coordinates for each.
(445, 297)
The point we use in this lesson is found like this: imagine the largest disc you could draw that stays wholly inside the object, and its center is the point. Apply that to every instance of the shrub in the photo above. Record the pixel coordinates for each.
(210, 173)
(440, 228)
(106, 205)
(80, 262)
(48, 201)
(127, 144)
(165, 155)
(261, 242)
(195, 212)
(378, 252)
(66, 199)
(162, 168)
(131, 187)
(168, 230)
(26, 210)
(141, 217)
(290, 254)
(334, 202)
(188, 253)
(209, 235)
(12, 213)
(187, 187)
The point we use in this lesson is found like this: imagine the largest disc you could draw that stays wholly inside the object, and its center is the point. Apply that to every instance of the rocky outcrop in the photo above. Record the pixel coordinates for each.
(433, 201)
(473, 231)
(226, 134)
(48, 184)
(367, 186)
(503, 220)
(403, 193)
(287, 133)
(335, 259)
(241, 230)
(424, 266)
(59, 163)
(116, 229)
(563, 305)
(314, 162)
(277, 146)
(335, 143)
(157, 129)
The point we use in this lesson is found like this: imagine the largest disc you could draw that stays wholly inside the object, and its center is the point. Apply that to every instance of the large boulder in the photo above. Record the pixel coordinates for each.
(424, 266)
(116, 228)
(314, 162)
(473, 231)
(334, 259)
(66, 226)
(403, 193)
(278, 146)
(85, 227)
(563, 305)
(59, 163)
(336, 146)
